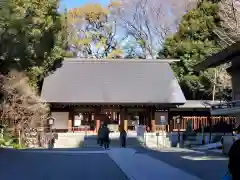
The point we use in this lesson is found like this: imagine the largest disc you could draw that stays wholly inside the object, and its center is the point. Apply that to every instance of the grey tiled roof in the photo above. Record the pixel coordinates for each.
(112, 81)
(198, 104)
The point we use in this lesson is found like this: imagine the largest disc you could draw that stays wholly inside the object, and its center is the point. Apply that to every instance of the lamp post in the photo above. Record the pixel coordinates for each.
(207, 104)
(1, 131)
(178, 119)
(50, 121)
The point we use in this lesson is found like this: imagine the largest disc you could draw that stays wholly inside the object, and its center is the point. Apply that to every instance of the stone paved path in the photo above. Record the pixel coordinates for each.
(143, 167)
(205, 165)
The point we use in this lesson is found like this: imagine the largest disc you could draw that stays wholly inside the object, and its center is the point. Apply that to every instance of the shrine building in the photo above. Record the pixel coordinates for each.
(125, 92)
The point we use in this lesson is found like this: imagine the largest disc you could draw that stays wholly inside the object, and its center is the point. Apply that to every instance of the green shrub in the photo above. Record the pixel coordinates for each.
(18, 146)
(6, 140)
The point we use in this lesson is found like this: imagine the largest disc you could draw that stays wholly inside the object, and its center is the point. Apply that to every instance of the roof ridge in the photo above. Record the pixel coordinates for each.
(121, 60)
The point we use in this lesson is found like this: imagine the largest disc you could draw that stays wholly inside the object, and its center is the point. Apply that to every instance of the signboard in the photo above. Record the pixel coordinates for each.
(163, 120)
(113, 127)
(77, 122)
(140, 131)
(40, 129)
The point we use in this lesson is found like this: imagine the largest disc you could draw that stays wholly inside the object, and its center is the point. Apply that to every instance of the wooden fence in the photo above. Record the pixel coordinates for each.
(197, 121)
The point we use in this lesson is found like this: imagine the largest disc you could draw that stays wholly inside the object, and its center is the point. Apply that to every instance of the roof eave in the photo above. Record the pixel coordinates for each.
(117, 103)
(129, 60)
(219, 58)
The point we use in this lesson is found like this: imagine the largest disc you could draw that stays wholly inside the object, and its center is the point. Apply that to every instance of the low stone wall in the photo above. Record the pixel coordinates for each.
(199, 137)
(156, 140)
(163, 139)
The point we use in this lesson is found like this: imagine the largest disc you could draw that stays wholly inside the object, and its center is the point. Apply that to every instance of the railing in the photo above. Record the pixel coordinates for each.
(226, 105)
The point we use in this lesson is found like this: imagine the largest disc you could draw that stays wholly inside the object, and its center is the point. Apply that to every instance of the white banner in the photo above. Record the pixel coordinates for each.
(140, 131)
(163, 119)
(77, 122)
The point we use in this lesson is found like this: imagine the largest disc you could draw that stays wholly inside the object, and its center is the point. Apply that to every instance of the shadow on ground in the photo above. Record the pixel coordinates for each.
(206, 165)
(39, 165)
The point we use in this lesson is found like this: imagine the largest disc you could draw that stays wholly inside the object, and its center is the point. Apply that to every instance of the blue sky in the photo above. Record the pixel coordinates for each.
(76, 3)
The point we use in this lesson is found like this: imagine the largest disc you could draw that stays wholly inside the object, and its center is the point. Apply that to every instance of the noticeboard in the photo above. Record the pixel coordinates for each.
(163, 120)
(140, 130)
(77, 122)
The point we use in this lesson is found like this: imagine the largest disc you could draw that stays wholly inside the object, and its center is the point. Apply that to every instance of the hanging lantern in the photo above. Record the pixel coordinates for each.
(50, 121)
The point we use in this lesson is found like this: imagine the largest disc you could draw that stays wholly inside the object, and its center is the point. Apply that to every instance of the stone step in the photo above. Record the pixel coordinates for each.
(81, 139)
(92, 142)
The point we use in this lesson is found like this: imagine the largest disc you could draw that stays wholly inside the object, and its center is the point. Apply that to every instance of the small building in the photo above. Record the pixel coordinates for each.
(84, 92)
(199, 112)
(227, 55)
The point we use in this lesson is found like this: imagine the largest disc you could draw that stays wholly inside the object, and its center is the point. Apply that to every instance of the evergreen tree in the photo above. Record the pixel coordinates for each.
(192, 43)
(31, 37)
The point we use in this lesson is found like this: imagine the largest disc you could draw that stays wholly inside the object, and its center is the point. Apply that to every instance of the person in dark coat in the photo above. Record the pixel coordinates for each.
(105, 134)
(100, 136)
(234, 160)
(123, 138)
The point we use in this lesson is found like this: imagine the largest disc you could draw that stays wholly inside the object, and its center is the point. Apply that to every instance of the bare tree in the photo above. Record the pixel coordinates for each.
(20, 107)
(148, 22)
(229, 31)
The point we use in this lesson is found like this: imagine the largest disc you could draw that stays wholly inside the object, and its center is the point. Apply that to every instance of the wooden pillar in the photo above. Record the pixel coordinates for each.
(97, 118)
(153, 124)
(70, 120)
(125, 124)
(97, 125)
(123, 119)
(146, 118)
(210, 127)
(153, 121)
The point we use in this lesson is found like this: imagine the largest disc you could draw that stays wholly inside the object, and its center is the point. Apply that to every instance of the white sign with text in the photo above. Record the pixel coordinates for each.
(140, 131)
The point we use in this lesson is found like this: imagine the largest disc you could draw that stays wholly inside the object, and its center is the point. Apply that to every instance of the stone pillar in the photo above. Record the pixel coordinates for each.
(70, 120)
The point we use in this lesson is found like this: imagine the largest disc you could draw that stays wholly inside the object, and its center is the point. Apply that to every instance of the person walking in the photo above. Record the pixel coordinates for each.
(234, 159)
(123, 138)
(105, 135)
(100, 135)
